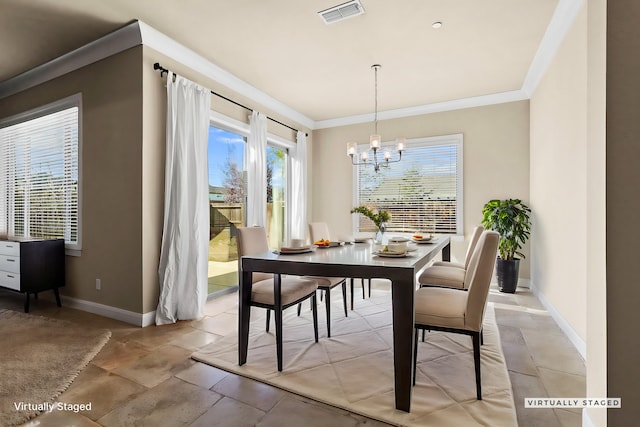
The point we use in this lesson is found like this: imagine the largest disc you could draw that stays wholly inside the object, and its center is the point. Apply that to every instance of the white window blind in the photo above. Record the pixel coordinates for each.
(423, 192)
(39, 173)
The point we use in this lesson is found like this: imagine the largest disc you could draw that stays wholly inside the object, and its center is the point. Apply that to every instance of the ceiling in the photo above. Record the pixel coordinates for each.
(284, 49)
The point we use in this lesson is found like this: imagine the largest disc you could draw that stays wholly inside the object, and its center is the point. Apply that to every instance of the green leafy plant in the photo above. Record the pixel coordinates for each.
(510, 218)
(378, 217)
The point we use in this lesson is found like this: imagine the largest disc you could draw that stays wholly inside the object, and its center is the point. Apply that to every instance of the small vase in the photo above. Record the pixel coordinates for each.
(379, 239)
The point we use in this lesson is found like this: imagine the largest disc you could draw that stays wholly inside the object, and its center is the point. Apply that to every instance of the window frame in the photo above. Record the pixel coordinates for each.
(452, 139)
(71, 101)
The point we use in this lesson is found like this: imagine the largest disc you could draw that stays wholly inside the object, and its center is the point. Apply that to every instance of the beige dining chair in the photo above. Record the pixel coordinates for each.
(450, 274)
(449, 310)
(317, 231)
(272, 291)
(320, 230)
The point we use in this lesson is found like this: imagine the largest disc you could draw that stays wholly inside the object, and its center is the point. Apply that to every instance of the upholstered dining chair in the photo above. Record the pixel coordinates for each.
(319, 231)
(272, 291)
(449, 310)
(450, 274)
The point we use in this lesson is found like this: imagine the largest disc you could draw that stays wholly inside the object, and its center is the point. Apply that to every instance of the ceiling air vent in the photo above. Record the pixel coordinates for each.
(342, 11)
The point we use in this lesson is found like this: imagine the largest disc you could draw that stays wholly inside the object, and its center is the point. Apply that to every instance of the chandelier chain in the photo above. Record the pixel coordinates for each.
(375, 117)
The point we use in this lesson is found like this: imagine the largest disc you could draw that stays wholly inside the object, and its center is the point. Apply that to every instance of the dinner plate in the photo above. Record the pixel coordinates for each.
(391, 254)
(331, 245)
(398, 239)
(361, 239)
(421, 241)
(293, 251)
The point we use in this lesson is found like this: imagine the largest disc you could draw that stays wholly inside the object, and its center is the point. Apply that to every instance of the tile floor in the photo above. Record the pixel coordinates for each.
(146, 377)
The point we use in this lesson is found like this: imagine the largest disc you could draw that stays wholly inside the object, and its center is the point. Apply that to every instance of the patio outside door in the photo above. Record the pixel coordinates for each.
(227, 203)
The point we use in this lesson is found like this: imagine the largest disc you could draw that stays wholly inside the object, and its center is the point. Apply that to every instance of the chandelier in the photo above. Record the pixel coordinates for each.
(375, 141)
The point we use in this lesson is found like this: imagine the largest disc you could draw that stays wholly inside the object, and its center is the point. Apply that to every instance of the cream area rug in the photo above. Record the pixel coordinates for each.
(353, 369)
(39, 358)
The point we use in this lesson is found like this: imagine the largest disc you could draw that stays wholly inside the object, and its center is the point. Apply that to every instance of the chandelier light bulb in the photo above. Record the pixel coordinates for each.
(352, 149)
(375, 141)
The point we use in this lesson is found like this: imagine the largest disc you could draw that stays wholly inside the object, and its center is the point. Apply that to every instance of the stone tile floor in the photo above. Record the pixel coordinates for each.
(144, 376)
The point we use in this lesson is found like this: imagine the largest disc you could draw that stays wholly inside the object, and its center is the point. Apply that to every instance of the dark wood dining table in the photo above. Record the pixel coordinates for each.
(353, 260)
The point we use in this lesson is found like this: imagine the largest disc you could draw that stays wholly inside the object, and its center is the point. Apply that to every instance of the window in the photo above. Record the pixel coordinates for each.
(39, 185)
(423, 192)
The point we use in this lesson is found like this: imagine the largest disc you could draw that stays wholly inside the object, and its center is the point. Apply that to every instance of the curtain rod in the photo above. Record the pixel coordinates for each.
(163, 70)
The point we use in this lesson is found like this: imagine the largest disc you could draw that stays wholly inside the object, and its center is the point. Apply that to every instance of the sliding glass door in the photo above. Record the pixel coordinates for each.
(227, 202)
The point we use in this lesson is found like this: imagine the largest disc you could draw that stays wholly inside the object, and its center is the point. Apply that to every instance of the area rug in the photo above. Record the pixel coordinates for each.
(39, 358)
(353, 369)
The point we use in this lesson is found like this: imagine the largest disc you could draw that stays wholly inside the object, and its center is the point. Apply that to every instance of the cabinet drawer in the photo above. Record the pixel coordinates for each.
(9, 248)
(10, 263)
(10, 280)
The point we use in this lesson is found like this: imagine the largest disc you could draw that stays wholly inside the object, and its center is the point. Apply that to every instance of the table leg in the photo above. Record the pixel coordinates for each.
(446, 252)
(402, 293)
(244, 310)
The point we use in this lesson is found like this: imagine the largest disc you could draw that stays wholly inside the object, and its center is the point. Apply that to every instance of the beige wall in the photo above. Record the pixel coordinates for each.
(111, 176)
(623, 204)
(496, 161)
(559, 180)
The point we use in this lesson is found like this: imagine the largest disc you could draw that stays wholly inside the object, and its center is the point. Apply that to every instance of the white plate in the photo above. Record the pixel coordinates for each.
(429, 240)
(398, 239)
(294, 251)
(391, 254)
(361, 239)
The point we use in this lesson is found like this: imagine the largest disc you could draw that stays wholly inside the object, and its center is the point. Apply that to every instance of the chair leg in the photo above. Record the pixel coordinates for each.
(268, 318)
(351, 293)
(314, 310)
(278, 313)
(369, 288)
(415, 354)
(362, 280)
(344, 297)
(476, 360)
(481, 337)
(327, 303)
(299, 309)
(423, 331)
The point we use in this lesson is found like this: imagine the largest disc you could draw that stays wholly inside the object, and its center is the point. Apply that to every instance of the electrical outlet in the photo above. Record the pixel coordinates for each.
(98, 284)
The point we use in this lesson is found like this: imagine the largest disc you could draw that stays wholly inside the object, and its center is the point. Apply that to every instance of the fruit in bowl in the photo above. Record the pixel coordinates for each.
(322, 242)
(417, 236)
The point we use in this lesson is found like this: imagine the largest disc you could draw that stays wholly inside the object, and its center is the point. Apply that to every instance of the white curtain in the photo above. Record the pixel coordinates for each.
(257, 170)
(299, 188)
(185, 236)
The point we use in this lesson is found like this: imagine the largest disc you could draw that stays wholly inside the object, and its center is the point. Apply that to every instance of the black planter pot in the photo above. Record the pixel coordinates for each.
(507, 274)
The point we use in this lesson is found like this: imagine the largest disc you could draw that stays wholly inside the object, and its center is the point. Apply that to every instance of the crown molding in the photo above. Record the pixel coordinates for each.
(560, 23)
(171, 48)
(111, 44)
(456, 104)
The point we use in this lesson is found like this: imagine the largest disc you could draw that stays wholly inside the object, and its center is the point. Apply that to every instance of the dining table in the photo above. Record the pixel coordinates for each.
(353, 260)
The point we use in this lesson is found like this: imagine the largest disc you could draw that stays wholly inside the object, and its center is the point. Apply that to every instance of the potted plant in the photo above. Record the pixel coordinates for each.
(378, 218)
(510, 218)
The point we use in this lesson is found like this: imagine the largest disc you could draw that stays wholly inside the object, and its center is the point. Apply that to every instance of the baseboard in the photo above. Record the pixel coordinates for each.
(137, 319)
(575, 339)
